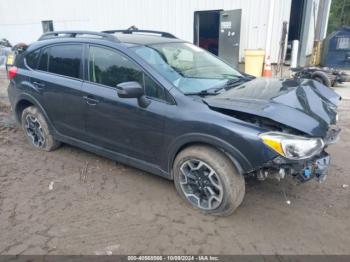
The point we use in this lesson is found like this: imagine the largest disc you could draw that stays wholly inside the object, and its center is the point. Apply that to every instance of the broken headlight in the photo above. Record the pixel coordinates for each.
(291, 146)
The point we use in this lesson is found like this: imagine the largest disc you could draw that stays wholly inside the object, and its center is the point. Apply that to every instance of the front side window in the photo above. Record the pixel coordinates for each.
(110, 68)
(65, 60)
(152, 89)
(186, 66)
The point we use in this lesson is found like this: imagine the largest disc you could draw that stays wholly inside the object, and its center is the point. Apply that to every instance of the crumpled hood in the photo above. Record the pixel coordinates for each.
(302, 104)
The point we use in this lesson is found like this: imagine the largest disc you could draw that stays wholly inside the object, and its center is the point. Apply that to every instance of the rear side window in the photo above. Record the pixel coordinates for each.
(65, 60)
(62, 60)
(33, 58)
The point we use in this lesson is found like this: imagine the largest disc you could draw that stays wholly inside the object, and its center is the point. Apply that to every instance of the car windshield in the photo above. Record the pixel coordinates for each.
(189, 68)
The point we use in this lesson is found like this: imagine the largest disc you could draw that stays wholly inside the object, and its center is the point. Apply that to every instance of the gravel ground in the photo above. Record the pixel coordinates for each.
(73, 202)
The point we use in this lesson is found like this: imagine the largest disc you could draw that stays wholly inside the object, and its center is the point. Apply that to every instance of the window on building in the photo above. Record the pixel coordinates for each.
(343, 43)
(47, 25)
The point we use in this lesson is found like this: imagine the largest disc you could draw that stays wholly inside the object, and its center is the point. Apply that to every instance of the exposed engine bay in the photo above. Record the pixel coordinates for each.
(302, 108)
(279, 168)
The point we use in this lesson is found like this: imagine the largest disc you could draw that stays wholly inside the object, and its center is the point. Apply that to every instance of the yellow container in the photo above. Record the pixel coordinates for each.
(254, 61)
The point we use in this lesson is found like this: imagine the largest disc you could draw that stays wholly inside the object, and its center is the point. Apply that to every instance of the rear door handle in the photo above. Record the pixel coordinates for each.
(39, 84)
(91, 101)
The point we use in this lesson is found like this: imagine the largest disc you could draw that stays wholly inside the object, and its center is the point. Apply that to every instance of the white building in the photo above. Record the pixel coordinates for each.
(261, 20)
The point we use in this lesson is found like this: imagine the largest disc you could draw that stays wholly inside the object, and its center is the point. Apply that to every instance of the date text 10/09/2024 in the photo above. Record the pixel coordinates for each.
(173, 258)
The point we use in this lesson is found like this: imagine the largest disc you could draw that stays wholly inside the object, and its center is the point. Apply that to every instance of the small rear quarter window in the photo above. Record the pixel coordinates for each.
(32, 59)
(44, 60)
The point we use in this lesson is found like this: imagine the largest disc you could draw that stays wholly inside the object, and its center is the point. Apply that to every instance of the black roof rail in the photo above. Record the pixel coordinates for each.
(55, 34)
(131, 31)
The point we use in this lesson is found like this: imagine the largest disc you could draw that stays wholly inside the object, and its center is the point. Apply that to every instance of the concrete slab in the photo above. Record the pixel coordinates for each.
(343, 90)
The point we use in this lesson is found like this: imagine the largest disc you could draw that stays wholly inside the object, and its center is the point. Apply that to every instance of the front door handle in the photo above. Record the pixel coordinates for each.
(91, 101)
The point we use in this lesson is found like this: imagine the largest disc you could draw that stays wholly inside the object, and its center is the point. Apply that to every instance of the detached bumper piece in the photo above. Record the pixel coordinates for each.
(317, 169)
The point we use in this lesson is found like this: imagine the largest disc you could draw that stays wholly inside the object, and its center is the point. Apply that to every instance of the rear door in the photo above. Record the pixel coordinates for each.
(58, 80)
(229, 36)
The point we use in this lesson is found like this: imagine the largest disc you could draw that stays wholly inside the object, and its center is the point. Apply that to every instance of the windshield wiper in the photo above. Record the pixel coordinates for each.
(236, 81)
(210, 91)
(228, 85)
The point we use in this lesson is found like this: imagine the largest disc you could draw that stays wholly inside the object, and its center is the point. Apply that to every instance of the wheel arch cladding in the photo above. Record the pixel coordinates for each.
(25, 101)
(241, 163)
(20, 106)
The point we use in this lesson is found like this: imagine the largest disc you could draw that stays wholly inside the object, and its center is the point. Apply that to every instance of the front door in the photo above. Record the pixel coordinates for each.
(229, 36)
(120, 124)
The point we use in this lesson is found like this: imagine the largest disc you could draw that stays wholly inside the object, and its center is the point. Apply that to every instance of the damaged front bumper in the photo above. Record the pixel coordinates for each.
(304, 170)
(316, 167)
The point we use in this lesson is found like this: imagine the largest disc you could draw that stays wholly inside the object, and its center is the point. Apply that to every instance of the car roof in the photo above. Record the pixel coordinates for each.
(144, 39)
(127, 40)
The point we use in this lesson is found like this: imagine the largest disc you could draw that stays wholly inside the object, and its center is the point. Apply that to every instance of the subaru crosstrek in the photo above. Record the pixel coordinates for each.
(168, 107)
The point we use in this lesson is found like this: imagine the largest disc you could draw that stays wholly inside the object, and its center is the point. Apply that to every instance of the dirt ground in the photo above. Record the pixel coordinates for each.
(73, 202)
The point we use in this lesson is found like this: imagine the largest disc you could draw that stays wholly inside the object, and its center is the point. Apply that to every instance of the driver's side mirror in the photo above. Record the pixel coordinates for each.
(129, 90)
(133, 90)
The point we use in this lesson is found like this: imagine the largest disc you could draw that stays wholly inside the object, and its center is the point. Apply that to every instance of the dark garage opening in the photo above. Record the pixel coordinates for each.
(206, 30)
(296, 20)
(295, 25)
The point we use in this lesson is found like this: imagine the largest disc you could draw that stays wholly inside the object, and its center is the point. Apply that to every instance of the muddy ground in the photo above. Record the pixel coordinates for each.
(73, 202)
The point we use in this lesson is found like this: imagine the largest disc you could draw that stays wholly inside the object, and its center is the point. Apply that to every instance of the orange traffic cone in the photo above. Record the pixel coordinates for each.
(267, 68)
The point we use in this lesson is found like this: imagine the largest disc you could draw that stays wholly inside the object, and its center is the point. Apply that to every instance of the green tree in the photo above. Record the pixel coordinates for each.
(339, 15)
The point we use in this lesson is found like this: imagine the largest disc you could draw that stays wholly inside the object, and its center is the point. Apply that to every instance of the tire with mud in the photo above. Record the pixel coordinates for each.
(36, 130)
(208, 180)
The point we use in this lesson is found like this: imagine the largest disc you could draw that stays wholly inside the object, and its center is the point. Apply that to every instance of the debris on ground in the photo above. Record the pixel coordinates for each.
(83, 173)
(51, 185)
(107, 250)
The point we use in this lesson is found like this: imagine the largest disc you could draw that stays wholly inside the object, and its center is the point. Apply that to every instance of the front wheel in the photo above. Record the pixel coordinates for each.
(207, 179)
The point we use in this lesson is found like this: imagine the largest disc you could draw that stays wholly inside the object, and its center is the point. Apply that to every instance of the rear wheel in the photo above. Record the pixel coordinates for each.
(37, 130)
(207, 179)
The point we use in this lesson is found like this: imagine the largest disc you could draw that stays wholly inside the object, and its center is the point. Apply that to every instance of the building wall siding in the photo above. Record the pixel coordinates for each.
(22, 21)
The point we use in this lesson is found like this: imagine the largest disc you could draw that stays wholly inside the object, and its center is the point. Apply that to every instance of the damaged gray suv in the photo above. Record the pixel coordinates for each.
(155, 102)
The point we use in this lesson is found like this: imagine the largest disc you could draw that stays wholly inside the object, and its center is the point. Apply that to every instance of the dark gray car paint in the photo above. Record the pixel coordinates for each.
(305, 105)
(150, 137)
